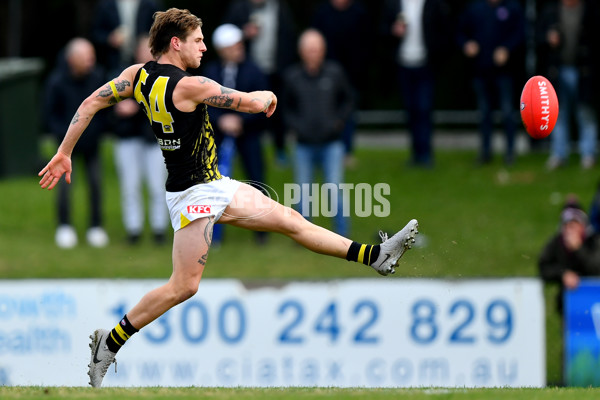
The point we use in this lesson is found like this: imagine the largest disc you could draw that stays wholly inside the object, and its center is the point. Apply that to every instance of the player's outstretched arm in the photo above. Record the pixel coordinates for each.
(107, 95)
(199, 89)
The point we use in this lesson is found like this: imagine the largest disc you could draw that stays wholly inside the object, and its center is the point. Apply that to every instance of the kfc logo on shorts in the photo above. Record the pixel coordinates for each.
(198, 209)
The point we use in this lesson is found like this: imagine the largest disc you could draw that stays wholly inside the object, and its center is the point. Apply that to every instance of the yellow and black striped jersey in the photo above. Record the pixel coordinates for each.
(185, 138)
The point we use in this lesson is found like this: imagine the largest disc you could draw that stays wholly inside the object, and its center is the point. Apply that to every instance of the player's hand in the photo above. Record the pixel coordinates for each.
(51, 173)
(272, 105)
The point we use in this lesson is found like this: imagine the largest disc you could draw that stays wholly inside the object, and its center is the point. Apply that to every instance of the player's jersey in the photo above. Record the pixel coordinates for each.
(185, 138)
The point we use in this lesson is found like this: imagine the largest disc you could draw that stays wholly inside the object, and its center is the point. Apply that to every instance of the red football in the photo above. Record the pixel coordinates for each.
(539, 107)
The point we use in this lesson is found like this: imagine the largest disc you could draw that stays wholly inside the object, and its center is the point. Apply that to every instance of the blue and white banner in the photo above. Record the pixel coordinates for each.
(356, 332)
(582, 334)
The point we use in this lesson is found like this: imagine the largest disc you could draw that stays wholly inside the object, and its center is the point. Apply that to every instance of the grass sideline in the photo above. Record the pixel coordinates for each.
(476, 222)
(59, 393)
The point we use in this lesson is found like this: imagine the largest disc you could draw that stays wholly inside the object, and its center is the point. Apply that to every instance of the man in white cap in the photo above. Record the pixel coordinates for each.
(236, 132)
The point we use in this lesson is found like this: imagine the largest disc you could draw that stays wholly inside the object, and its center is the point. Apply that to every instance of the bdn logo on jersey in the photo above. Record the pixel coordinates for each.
(169, 144)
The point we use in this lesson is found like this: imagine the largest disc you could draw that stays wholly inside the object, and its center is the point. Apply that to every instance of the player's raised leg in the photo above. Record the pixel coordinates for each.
(251, 209)
(190, 252)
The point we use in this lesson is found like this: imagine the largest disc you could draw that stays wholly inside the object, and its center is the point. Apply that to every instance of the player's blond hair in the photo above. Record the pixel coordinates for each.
(170, 23)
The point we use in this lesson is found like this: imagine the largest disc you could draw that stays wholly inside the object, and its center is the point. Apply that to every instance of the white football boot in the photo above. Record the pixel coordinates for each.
(101, 357)
(393, 248)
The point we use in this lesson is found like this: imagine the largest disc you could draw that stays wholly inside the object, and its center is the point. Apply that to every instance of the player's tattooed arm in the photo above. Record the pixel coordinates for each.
(222, 100)
(107, 91)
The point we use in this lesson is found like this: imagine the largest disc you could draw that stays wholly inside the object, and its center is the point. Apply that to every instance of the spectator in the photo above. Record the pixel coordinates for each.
(270, 34)
(421, 34)
(243, 131)
(116, 26)
(75, 75)
(573, 252)
(566, 36)
(338, 20)
(491, 35)
(317, 101)
(138, 158)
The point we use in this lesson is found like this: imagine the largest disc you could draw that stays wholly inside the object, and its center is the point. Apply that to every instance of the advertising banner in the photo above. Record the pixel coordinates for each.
(582, 334)
(355, 332)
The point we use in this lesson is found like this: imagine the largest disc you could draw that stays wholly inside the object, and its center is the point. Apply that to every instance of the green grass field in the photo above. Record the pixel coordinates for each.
(299, 393)
(476, 222)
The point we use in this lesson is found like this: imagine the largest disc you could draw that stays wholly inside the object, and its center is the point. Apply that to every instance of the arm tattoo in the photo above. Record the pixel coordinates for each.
(107, 91)
(75, 118)
(223, 101)
(208, 231)
(203, 80)
(122, 85)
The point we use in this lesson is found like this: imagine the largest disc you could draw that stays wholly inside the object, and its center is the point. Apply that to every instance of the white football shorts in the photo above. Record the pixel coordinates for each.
(201, 201)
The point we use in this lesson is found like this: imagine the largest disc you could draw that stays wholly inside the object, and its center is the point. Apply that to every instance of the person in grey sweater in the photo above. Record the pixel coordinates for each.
(317, 101)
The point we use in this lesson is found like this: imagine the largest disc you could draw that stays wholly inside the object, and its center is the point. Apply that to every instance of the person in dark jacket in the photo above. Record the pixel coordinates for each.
(317, 101)
(270, 37)
(567, 35)
(116, 27)
(420, 32)
(573, 252)
(75, 75)
(491, 34)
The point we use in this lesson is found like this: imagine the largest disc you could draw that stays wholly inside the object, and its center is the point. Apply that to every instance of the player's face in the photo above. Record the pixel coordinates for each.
(193, 48)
